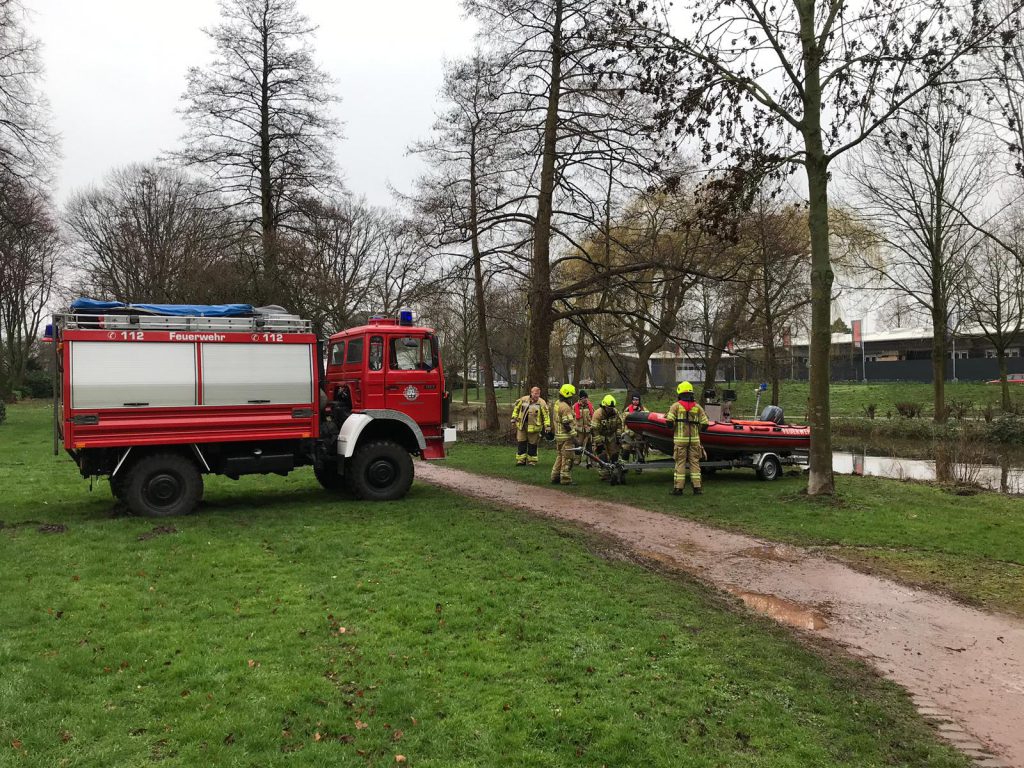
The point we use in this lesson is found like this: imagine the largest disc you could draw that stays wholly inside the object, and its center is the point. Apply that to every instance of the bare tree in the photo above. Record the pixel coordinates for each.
(918, 182)
(575, 117)
(780, 288)
(259, 118)
(27, 146)
(662, 229)
(151, 233)
(329, 259)
(994, 287)
(30, 247)
(467, 194)
(771, 87)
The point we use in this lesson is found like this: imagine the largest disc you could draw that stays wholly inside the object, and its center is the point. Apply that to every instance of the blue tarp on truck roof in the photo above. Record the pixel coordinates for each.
(92, 306)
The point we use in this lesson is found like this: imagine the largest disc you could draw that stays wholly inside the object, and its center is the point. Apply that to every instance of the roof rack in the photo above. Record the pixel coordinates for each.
(140, 321)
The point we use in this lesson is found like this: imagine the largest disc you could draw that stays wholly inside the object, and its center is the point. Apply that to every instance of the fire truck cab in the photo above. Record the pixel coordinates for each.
(156, 396)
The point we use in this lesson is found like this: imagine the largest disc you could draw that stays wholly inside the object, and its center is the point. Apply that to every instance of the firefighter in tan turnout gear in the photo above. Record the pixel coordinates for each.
(531, 419)
(607, 427)
(565, 436)
(688, 420)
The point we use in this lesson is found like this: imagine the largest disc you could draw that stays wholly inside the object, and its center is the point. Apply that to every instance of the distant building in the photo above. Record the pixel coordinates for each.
(903, 354)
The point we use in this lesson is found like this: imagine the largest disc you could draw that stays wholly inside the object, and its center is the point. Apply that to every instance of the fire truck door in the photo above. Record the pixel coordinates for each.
(413, 384)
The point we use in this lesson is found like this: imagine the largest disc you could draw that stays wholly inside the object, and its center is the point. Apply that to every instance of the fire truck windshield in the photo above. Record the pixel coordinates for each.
(409, 353)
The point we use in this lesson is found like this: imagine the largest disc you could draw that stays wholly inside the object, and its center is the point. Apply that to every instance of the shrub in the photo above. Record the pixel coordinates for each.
(869, 410)
(38, 384)
(1007, 429)
(959, 409)
(3, 411)
(988, 412)
(908, 409)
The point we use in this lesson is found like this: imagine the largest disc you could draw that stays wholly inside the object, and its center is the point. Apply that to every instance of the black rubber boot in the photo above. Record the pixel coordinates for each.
(556, 481)
(697, 490)
(677, 491)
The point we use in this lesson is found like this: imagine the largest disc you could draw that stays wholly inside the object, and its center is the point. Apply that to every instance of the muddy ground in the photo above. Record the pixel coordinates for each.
(964, 667)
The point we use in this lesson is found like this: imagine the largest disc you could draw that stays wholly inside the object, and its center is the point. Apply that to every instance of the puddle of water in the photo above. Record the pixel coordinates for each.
(782, 610)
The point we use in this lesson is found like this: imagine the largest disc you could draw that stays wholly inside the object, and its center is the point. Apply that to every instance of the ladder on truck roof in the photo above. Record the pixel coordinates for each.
(135, 321)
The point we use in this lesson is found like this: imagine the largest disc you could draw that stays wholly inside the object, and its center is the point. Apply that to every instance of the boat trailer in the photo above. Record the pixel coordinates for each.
(767, 465)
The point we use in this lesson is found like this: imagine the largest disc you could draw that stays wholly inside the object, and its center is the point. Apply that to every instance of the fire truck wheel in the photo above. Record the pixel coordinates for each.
(117, 487)
(380, 471)
(162, 485)
(327, 475)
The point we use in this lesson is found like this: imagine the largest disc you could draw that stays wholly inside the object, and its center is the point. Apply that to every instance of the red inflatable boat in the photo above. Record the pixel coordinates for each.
(723, 439)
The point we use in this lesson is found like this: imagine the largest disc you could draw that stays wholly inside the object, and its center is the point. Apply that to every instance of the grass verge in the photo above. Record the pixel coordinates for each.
(971, 547)
(279, 626)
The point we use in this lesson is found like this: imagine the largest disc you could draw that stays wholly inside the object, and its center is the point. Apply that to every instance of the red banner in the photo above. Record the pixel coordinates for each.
(858, 338)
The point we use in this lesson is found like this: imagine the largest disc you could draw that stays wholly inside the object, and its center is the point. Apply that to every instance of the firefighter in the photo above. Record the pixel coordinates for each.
(688, 420)
(531, 418)
(565, 436)
(607, 426)
(583, 410)
(630, 439)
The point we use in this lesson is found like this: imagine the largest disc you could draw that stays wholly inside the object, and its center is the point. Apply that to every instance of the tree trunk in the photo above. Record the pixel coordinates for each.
(820, 481)
(267, 231)
(581, 355)
(771, 364)
(939, 360)
(638, 376)
(1004, 383)
(541, 320)
(484, 353)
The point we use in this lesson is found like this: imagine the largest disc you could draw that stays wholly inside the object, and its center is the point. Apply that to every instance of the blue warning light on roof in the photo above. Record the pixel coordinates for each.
(405, 317)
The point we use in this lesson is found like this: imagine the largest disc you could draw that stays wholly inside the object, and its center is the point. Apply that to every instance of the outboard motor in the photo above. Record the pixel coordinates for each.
(773, 413)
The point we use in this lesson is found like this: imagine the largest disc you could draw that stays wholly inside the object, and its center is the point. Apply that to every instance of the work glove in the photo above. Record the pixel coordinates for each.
(549, 436)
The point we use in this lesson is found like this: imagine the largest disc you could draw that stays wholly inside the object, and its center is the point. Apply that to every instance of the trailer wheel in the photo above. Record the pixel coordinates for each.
(380, 471)
(163, 485)
(770, 469)
(326, 474)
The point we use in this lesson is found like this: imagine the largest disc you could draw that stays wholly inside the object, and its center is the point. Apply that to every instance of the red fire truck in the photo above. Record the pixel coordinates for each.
(156, 396)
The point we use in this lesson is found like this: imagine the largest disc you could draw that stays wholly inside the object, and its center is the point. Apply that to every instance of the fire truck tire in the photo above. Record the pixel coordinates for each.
(327, 475)
(163, 485)
(379, 471)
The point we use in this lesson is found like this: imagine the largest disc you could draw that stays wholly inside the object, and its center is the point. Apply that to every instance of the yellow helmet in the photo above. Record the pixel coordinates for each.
(567, 390)
(684, 387)
(608, 401)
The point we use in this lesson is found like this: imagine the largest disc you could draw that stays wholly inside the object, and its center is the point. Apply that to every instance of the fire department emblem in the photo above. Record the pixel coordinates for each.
(411, 393)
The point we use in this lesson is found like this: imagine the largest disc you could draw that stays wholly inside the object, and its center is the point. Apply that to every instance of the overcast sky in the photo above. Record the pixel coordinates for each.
(115, 70)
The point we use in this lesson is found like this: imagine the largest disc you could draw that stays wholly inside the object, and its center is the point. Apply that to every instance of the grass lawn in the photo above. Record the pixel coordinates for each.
(848, 398)
(279, 626)
(969, 546)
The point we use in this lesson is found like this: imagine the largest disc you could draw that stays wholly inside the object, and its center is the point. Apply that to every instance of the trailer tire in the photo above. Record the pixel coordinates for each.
(379, 471)
(163, 485)
(770, 469)
(326, 473)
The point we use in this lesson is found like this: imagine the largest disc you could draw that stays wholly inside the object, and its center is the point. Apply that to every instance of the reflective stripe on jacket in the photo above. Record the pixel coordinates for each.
(686, 423)
(565, 421)
(531, 416)
(606, 425)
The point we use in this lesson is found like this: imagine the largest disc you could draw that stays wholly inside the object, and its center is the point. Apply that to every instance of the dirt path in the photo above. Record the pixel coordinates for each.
(964, 668)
